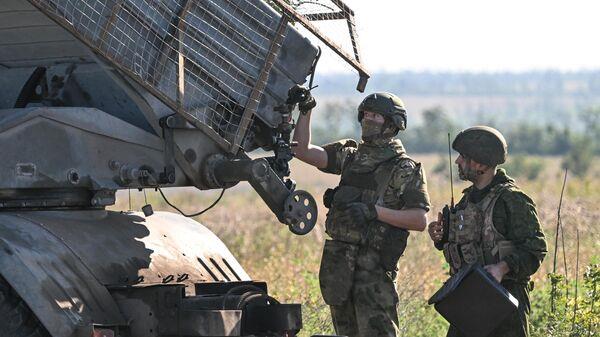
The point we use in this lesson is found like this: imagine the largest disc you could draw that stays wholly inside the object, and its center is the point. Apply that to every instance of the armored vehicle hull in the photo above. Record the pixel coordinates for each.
(125, 274)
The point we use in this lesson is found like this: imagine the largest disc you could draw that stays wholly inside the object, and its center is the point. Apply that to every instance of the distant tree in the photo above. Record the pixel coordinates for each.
(526, 138)
(579, 159)
(524, 166)
(559, 141)
(432, 134)
(335, 120)
(591, 121)
(542, 140)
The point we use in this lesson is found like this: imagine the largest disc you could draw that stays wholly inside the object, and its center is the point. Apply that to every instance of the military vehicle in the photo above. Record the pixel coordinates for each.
(98, 96)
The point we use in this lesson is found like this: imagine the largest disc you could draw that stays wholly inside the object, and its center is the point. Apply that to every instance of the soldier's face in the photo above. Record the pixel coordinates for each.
(373, 116)
(372, 126)
(467, 168)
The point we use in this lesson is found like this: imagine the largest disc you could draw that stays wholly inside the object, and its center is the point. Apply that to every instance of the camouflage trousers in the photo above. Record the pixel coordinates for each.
(516, 325)
(372, 309)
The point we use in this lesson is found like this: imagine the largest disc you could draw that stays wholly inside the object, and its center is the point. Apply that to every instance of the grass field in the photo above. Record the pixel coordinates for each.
(290, 263)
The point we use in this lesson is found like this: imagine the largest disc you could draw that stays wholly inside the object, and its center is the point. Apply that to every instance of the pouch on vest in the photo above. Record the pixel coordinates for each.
(328, 197)
(338, 228)
(505, 248)
(388, 241)
(346, 194)
(465, 226)
(336, 274)
(471, 253)
(452, 257)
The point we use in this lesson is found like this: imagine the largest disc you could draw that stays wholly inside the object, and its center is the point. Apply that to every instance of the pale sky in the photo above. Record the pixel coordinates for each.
(475, 35)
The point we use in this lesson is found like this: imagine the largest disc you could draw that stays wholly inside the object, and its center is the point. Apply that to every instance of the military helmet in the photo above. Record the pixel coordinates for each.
(386, 104)
(483, 144)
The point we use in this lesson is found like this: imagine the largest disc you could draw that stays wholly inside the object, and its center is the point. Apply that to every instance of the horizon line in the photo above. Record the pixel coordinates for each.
(463, 72)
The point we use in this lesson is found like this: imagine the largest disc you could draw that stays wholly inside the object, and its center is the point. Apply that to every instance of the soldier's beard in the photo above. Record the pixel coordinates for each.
(374, 133)
(467, 173)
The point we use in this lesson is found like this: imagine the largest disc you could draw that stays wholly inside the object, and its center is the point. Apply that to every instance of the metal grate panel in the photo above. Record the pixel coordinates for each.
(332, 21)
(208, 60)
(201, 58)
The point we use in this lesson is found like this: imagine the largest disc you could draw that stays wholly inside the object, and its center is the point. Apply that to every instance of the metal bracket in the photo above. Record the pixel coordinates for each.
(297, 209)
(168, 174)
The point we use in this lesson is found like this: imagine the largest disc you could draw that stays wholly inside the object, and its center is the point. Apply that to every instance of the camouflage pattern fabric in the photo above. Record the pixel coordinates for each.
(371, 305)
(514, 216)
(372, 309)
(408, 185)
(472, 236)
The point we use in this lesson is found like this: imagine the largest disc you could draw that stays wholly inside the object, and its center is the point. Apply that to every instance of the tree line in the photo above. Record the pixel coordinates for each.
(579, 146)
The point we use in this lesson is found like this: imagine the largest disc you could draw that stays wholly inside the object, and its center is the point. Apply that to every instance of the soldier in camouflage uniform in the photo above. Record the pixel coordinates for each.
(495, 224)
(381, 196)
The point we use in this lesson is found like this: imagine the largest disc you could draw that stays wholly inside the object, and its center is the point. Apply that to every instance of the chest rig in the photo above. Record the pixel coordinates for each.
(367, 184)
(472, 236)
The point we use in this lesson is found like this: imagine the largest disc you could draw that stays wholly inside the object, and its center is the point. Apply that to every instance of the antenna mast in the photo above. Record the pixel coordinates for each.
(450, 166)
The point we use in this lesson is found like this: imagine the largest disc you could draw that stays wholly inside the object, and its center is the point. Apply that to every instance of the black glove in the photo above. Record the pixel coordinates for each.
(301, 95)
(359, 212)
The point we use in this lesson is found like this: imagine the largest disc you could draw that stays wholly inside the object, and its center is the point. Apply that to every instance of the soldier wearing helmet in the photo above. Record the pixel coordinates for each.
(495, 224)
(381, 196)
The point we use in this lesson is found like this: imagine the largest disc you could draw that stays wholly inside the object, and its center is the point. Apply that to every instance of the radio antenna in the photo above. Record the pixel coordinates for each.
(450, 166)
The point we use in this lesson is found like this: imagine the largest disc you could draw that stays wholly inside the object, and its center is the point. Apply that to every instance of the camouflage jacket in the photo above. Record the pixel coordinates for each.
(407, 187)
(514, 216)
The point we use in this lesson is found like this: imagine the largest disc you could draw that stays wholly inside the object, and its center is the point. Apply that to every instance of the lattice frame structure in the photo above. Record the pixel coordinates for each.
(209, 60)
(334, 10)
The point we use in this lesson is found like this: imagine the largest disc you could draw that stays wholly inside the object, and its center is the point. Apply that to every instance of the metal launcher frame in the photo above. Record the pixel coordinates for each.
(330, 10)
(208, 61)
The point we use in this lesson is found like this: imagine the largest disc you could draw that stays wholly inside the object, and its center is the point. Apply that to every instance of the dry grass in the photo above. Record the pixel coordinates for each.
(290, 263)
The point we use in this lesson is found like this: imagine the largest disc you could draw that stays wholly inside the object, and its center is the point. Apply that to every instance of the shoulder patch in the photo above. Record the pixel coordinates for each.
(407, 163)
(349, 143)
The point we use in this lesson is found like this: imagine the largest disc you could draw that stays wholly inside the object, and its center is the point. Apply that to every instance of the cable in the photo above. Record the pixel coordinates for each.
(313, 68)
(193, 214)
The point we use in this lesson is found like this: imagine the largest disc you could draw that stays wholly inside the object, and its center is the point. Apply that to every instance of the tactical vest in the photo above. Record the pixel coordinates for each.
(367, 187)
(472, 236)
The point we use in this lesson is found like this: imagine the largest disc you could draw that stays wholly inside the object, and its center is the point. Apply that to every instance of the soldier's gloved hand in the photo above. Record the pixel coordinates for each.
(359, 212)
(301, 95)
